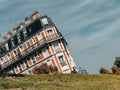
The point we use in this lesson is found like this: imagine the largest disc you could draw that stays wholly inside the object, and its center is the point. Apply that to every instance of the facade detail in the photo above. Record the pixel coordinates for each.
(35, 41)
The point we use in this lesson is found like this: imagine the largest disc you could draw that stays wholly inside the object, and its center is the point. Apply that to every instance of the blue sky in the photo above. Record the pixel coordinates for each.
(91, 27)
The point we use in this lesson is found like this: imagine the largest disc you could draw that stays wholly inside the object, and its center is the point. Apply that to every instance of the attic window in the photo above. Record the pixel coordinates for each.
(25, 33)
(44, 21)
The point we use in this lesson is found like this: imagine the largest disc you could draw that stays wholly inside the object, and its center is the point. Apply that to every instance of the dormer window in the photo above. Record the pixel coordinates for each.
(19, 37)
(44, 21)
(27, 20)
(56, 46)
(24, 33)
(12, 41)
(6, 45)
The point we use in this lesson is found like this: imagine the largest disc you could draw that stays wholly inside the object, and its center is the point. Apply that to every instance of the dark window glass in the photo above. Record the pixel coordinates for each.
(34, 27)
(9, 44)
(61, 60)
(15, 40)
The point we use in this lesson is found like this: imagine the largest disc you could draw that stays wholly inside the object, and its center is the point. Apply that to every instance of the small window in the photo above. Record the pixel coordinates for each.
(28, 58)
(25, 33)
(56, 47)
(21, 49)
(35, 54)
(15, 52)
(33, 59)
(19, 37)
(39, 36)
(28, 44)
(49, 31)
(12, 41)
(50, 34)
(45, 21)
(33, 40)
(61, 60)
(1, 59)
(26, 64)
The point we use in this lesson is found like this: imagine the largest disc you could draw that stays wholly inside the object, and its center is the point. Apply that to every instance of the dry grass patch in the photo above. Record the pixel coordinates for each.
(62, 82)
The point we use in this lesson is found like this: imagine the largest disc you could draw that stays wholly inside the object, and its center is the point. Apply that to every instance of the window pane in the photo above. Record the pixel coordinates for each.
(56, 47)
(45, 21)
(61, 60)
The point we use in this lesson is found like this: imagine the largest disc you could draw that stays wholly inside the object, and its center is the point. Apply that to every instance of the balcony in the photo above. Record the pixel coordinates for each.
(33, 48)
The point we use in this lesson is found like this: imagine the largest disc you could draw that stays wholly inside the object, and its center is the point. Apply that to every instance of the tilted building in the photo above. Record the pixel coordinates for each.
(35, 41)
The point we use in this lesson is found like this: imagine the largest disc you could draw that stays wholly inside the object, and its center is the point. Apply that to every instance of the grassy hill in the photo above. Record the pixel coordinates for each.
(61, 82)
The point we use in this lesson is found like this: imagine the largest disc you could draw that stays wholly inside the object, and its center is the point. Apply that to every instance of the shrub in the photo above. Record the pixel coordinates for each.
(115, 70)
(44, 69)
(104, 71)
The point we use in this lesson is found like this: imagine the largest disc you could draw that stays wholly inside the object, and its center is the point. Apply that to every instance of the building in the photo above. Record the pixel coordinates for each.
(35, 41)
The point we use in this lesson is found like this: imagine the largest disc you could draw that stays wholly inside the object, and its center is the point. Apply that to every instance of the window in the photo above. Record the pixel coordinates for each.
(49, 31)
(19, 67)
(44, 21)
(26, 64)
(15, 52)
(15, 40)
(28, 44)
(45, 52)
(50, 34)
(25, 33)
(8, 56)
(56, 46)
(12, 41)
(32, 58)
(61, 60)
(19, 37)
(7, 46)
(20, 49)
(16, 69)
(22, 65)
(33, 40)
(39, 37)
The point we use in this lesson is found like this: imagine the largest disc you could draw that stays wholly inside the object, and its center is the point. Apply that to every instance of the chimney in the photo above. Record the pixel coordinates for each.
(9, 34)
(22, 25)
(27, 20)
(34, 15)
(15, 29)
(5, 38)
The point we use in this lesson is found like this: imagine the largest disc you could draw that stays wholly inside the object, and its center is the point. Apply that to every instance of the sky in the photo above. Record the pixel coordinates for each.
(91, 27)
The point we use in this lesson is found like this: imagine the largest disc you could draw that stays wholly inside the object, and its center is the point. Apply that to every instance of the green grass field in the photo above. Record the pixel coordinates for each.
(61, 82)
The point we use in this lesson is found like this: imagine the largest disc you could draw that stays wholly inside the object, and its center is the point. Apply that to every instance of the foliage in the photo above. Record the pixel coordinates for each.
(104, 71)
(115, 70)
(44, 69)
(117, 63)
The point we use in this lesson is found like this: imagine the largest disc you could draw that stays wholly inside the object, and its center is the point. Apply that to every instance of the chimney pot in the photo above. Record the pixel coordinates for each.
(9, 34)
(5, 37)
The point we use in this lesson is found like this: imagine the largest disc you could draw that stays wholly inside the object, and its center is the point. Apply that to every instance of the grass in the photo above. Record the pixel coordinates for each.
(61, 82)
